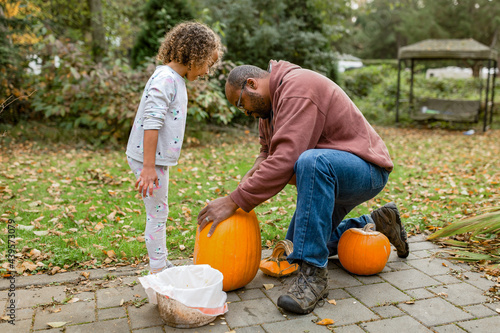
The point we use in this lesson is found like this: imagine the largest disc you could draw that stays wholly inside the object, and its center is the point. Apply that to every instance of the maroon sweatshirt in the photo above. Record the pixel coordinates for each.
(309, 111)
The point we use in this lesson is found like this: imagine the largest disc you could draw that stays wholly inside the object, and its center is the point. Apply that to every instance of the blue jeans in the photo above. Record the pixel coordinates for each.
(330, 183)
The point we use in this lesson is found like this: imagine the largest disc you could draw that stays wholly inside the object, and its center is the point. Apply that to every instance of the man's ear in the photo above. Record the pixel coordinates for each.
(252, 83)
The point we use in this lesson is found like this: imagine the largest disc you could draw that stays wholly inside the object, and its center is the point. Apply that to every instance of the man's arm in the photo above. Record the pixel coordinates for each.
(254, 168)
(220, 209)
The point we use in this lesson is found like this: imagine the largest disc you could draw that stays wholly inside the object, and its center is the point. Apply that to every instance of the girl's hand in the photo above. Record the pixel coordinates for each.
(147, 181)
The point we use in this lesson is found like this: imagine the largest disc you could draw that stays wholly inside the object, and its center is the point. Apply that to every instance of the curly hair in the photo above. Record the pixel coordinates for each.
(190, 43)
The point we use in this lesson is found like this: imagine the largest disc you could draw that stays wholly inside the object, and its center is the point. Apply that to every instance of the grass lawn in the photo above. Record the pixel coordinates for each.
(75, 207)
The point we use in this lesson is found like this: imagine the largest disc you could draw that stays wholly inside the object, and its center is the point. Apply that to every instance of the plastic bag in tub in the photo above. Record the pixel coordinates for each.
(187, 296)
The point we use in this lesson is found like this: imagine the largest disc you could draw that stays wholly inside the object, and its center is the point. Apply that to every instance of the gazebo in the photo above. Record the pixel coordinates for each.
(446, 109)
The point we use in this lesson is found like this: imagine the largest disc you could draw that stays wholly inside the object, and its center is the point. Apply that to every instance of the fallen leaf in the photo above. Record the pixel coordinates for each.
(73, 300)
(35, 253)
(34, 204)
(55, 310)
(41, 232)
(29, 266)
(85, 274)
(99, 226)
(332, 301)
(56, 324)
(25, 227)
(268, 286)
(444, 264)
(111, 216)
(443, 294)
(409, 302)
(326, 321)
(497, 310)
(122, 301)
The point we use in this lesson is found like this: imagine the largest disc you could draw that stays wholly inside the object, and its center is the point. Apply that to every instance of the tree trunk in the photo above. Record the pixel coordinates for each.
(3, 28)
(476, 68)
(97, 30)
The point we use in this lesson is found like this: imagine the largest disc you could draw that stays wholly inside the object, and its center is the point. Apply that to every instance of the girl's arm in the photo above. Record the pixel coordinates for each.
(148, 179)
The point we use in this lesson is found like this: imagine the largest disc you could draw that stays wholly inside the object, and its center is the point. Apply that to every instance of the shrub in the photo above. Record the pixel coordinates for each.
(76, 93)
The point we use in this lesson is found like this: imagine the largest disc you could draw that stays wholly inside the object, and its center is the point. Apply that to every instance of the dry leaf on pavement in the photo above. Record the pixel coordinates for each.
(56, 324)
(326, 321)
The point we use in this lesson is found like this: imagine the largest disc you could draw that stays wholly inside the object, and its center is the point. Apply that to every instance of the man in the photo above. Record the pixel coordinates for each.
(311, 135)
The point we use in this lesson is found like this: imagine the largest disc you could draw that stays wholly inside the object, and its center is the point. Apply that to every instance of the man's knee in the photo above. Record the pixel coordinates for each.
(306, 158)
(310, 160)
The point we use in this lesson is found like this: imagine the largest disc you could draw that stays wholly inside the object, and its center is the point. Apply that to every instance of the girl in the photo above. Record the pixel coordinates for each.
(188, 52)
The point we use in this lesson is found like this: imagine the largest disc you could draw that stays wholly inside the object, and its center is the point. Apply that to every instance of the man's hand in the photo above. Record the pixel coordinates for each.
(216, 211)
(147, 181)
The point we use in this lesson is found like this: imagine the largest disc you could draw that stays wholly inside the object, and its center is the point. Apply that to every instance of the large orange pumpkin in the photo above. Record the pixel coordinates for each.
(234, 249)
(363, 251)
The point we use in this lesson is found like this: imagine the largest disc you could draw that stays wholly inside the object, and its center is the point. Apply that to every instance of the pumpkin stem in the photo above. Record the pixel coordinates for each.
(282, 248)
(369, 227)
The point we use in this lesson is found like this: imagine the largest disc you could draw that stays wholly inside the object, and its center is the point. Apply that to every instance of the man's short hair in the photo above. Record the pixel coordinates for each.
(240, 74)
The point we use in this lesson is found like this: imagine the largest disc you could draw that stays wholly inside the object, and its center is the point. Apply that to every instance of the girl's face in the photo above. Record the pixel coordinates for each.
(197, 71)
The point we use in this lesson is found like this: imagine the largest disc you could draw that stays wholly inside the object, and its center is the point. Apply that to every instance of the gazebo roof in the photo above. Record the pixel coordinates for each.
(447, 49)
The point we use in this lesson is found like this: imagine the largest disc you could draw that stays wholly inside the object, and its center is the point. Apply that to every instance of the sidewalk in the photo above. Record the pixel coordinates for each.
(417, 294)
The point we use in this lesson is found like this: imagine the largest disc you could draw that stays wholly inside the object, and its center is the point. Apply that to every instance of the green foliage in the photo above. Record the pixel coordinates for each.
(14, 33)
(76, 93)
(79, 93)
(382, 26)
(159, 17)
(486, 223)
(68, 18)
(359, 83)
(482, 229)
(258, 31)
(71, 19)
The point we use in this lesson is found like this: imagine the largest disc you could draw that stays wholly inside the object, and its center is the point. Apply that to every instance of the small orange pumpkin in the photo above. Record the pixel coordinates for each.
(364, 251)
(277, 265)
(234, 249)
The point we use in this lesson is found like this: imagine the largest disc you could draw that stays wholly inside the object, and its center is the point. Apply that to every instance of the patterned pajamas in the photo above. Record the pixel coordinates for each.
(157, 213)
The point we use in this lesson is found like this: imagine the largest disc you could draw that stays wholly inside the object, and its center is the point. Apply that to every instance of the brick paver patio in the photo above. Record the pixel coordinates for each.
(422, 293)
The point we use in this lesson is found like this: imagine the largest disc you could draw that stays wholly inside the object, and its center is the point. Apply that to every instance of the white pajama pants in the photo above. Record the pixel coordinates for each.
(156, 216)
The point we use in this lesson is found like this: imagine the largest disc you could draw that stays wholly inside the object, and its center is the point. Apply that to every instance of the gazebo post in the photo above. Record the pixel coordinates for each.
(397, 92)
(411, 84)
(495, 65)
(487, 97)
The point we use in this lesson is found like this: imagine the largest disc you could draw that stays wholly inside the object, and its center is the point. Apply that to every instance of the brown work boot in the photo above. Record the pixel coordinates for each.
(388, 222)
(308, 288)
